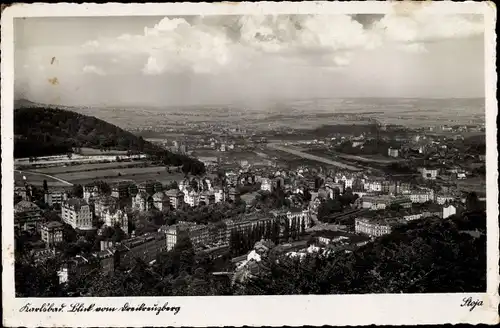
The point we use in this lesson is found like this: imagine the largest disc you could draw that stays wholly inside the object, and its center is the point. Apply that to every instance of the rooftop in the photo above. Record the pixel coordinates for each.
(384, 220)
(53, 225)
(75, 202)
(174, 193)
(24, 206)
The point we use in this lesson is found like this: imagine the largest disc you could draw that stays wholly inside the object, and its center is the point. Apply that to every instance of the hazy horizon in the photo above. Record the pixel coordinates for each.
(226, 60)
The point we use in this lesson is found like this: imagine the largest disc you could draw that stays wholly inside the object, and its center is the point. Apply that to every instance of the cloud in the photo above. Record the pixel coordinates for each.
(152, 67)
(211, 44)
(91, 69)
(424, 26)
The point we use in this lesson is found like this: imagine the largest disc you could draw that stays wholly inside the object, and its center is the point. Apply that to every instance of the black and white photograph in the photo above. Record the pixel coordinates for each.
(269, 154)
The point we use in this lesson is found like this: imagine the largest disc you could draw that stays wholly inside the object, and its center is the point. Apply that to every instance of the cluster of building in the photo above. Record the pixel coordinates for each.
(384, 222)
(218, 234)
(116, 255)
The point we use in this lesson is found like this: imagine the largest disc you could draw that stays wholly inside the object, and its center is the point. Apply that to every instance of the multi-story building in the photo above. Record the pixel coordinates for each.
(449, 211)
(421, 196)
(403, 188)
(52, 233)
(429, 173)
(142, 202)
(76, 212)
(21, 192)
(55, 197)
(380, 202)
(246, 225)
(393, 152)
(133, 190)
(145, 247)
(233, 194)
(375, 227)
(192, 198)
(184, 185)
(402, 201)
(171, 236)
(120, 189)
(375, 202)
(161, 201)
(103, 204)
(90, 192)
(201, 235)
(266, 185)
(347, 180)
(389, 187)
(314, 205)
(176, 198)
(207, 197)
(300, 215)
(373, 185)
(27, 215)
(116, 217)
(442, 199)
(412, 216)
(150, 187)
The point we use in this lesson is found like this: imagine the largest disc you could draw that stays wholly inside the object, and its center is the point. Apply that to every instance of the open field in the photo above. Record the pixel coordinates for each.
(365, 158)
(314, 157)
(86, 167)
(75, 159)
(36, 179)
(123, 173)
(370, 158)
(164, 178)
(93, 152)
(85, 173)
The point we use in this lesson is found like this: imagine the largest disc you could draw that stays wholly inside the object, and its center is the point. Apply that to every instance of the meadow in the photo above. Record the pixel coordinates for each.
(137, 174)
(109, 172)
(87, 167)
(37, 179)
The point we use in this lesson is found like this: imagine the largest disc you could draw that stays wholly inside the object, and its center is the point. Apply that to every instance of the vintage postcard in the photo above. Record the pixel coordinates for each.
(249, 164)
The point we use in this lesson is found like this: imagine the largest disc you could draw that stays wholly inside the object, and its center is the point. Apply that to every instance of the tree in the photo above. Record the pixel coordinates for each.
(194, 185)
(174, 185)
(329, 207)
(286, 230)
(77, 191)
(186, 168)
(472, 202)
(118, 234)
(395, 263)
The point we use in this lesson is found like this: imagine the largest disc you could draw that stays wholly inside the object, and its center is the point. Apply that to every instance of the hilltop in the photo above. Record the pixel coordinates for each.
(45, 131)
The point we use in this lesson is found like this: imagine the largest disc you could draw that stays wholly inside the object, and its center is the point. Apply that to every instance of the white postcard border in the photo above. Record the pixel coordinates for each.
(260, 310)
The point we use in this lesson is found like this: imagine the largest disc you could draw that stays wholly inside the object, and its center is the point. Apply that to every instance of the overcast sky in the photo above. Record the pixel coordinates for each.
(162, 61)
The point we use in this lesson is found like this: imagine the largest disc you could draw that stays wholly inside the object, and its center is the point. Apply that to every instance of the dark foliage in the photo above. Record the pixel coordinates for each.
(428, 256)
(44, 132)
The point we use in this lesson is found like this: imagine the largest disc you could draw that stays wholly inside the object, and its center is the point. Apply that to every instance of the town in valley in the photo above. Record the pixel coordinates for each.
(246, 187)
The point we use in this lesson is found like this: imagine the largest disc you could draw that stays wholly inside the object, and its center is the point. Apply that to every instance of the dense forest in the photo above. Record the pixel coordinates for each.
(42, 131)
(59, 130)
(425, 256)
